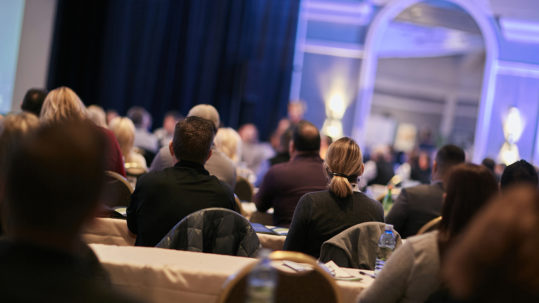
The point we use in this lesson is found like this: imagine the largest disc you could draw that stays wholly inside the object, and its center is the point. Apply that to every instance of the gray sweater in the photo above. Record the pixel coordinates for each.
(410, 275)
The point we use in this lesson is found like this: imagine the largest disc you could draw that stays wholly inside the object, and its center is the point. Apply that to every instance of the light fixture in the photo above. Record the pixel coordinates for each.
(512, 130)
(335, 108)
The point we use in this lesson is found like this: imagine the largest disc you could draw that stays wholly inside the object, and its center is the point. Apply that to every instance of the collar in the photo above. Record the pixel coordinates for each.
(307, 155)
(194, 165)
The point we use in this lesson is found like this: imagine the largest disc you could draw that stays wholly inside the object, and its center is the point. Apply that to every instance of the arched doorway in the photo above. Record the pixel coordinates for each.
(373, 42)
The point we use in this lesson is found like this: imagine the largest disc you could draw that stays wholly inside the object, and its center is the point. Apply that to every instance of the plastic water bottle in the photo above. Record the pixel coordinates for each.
(386, 245)
(262, 280)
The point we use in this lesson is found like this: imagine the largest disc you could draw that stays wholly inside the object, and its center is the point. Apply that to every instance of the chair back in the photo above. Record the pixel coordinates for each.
(243, 189)
(117, 191)
(430, 226)
(213, 230)
(356, 247)
(312, 286)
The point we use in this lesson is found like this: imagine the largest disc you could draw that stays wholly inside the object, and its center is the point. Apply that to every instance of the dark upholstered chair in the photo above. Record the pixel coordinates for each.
(213, 230)
(356, 246)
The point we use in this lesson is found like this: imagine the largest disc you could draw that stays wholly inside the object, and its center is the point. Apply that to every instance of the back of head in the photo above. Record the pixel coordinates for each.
(13, 129)
(62, 104)
(97, 115)
(447, 157)
(489, 163)
(124, 130)
(140, 117)
(520, 172)
(495, 260)
(469, 187)
(33, 100)
(306, 137)
(207, 112)
(55, 178)
(193, 138)
(344, 164)
(228, 141)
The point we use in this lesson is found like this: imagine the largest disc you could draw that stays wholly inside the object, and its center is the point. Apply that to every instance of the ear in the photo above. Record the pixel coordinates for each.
(209, 155)
(291, 147)
(434, 167)
(361, 170)
(171, 150)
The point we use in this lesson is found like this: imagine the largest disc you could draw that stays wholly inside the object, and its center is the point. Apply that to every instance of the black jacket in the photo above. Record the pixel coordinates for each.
(162, 198)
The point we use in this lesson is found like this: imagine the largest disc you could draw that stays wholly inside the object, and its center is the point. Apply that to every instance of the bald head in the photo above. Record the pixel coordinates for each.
(205, 111)
(306, 137)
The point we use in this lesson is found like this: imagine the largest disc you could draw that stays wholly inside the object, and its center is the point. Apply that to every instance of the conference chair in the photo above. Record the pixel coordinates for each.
(243, 189)
(356, 246)
(430, 226)
(117, 191)
(314, 285)
(213, 230)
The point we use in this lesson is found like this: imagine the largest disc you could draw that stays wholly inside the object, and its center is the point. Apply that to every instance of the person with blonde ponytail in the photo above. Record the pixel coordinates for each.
(322, 215)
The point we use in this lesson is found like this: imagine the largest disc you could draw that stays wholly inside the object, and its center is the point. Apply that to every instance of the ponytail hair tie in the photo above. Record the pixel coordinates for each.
(340, 175)
(351, 179)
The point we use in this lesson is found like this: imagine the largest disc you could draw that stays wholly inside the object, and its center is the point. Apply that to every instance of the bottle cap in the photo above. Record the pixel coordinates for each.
(389, 227)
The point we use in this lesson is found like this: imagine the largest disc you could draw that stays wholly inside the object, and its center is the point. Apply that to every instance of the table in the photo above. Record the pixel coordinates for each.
(164, 275)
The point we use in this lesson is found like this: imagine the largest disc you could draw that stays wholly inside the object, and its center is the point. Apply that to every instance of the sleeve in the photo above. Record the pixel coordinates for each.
(264, 196)
(391, 283)
(398, 215)
(297, 234)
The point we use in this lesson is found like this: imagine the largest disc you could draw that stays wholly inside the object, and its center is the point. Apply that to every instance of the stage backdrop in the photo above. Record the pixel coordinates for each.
(170, 54)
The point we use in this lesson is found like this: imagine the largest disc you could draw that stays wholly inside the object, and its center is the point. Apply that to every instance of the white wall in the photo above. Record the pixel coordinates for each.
(34, 48)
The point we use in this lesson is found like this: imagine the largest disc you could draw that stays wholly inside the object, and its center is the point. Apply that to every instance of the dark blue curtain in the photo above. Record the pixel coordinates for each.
(172, 54)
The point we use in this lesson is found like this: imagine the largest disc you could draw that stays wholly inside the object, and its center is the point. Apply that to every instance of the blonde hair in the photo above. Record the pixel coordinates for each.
(124, 130)
(13, 128)
(228, 141)
(62, 104)
(97, 115)
(344, 164)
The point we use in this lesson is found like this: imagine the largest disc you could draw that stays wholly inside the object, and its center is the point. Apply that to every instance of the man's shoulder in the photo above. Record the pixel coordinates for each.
(422, 189)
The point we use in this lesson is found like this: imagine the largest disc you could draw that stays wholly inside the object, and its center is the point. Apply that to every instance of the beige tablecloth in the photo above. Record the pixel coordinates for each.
(163, 275)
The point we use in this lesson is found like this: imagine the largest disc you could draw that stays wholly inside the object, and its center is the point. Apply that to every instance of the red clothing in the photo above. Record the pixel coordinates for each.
(285, 183)
(115, 161)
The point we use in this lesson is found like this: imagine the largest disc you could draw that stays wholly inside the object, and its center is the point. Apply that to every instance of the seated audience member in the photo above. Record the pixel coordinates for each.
(218, 164)
(143, 121)
(165, 134)
(421, 170)
(124, 130)
(412, 273)
(325, 142)
(275, 138)
(253, 152)
(283, 155)
(322, 215)
(520, 172)
(417, 205)
(285, 183)
(496, 258)
(33, 100)
(53, 184)
(97, 115)
(63, 104)
(383, 166)
(228, 141)
(162, 198)
(13, 129)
